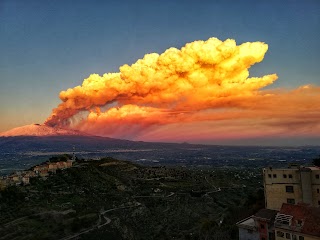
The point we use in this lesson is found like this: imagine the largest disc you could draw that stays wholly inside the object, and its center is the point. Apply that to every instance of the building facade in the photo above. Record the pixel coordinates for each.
(248, 229)
(292, 196)
(297, 222)
(258, 227)
(291, 185)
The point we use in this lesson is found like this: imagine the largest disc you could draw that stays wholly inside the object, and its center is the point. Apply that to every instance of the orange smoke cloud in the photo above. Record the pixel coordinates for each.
(204, 81)
(279, 114)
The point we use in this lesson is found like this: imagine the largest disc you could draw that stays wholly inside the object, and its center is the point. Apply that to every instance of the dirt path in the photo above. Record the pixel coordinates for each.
(99, 225)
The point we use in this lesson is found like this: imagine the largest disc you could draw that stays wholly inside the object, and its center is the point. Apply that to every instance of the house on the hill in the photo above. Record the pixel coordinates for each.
(69, 163)
(25, 180)
(40, 168)
(258, 227)
(44, 173)
(52, 167)
(30, 174)
(61, 165)
(3, 183)
(15, 179)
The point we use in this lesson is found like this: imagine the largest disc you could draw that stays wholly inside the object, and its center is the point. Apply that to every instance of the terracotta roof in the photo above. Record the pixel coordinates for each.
(310, 217)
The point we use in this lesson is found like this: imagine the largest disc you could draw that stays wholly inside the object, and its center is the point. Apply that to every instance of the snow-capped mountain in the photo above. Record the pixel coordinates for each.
(40, 130)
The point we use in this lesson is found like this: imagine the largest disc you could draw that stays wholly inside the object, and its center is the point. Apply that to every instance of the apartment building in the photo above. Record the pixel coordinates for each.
(291, 185)
(292, 200)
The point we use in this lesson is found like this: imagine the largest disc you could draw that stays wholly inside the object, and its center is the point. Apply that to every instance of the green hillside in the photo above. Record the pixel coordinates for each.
(112, 199)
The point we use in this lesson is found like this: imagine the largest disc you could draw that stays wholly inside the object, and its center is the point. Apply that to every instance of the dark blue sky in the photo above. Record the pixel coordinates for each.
(48, 46)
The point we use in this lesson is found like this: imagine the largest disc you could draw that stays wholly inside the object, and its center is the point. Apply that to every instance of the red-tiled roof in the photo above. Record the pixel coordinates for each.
(310, 217)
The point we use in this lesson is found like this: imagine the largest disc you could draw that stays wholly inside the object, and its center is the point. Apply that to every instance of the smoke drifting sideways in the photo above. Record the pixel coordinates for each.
(203, 81)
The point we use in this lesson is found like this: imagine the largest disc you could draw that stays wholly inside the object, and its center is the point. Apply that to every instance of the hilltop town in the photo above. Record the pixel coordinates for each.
(42, 170)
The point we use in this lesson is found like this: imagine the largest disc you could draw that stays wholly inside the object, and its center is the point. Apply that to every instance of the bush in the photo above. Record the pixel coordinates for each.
(316, 161)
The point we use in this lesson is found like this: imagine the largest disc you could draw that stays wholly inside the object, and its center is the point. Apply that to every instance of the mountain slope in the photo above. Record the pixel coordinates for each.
(40, 130)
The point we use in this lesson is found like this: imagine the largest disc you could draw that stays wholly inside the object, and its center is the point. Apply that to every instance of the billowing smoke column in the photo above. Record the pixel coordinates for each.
(161, 89)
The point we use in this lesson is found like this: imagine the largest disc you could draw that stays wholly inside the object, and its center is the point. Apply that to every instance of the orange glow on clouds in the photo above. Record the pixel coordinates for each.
(202, 91)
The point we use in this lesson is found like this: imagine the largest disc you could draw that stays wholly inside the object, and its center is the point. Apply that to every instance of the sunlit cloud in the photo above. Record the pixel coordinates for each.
(201, 91)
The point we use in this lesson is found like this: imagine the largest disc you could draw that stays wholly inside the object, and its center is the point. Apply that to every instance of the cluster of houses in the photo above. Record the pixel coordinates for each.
(292, 200)
(42, 170)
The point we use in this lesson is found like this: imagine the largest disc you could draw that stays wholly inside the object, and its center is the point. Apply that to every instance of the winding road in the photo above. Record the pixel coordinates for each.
(99, 225)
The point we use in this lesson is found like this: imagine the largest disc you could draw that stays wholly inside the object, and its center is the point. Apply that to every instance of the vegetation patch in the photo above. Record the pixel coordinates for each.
(112, 199)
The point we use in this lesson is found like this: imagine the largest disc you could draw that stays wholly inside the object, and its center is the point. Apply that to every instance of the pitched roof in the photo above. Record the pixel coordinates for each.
(247, 223)
(310, 217)
(267, 214)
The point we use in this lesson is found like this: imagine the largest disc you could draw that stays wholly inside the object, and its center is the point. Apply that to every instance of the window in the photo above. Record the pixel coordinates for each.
(288, 236)
(280, 234)
(284, 175)
(262, 226)
(291, 201)
(319, 203)
(269, 175)
(284, 221)
(274, 175)
(318, 190)
(301, 238)
(290, 175)
(294, 237)
(263, 238)
(317, 176)
(289, 189)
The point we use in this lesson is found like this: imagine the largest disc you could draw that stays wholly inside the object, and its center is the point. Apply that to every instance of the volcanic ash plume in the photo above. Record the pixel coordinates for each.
(166, 88)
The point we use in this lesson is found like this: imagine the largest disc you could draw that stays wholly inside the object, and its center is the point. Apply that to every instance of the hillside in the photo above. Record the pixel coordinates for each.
(111, 199)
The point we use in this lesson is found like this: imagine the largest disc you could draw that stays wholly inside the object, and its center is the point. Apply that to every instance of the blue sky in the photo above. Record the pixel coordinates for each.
(49, 46)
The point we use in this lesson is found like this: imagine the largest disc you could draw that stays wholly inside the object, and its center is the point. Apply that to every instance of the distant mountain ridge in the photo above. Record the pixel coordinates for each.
(43, 138)
(40, 130)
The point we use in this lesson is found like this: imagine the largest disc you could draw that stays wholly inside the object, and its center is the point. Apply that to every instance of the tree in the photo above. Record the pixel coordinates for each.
(316, 161)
